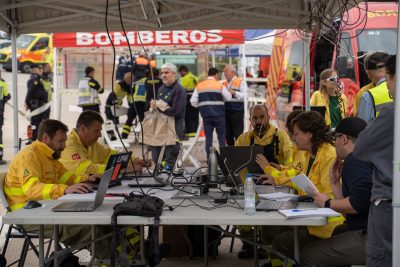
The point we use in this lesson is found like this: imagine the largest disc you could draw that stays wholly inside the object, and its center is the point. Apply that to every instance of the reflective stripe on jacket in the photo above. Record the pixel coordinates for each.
(80, 160)
(285, 145)
(211, 101)
(235, 104)
(381, 97)
(140, 91)
(89, 90)
(319, 99)
(35, 175)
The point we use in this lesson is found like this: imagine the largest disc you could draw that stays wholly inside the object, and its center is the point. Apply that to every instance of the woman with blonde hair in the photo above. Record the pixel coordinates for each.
(330, 97)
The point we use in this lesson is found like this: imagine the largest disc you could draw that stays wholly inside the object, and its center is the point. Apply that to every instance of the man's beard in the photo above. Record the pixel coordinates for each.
(57, 154)
(260, 129)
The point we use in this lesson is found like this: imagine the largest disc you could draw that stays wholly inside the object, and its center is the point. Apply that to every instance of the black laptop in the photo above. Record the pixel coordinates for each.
(240, 157)
(119, 162)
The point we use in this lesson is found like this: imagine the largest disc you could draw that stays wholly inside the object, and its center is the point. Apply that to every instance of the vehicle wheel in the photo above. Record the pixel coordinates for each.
(25, 67)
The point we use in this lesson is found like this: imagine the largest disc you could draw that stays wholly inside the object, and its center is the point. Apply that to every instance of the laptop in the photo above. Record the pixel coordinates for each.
(240, 157)
(83, 206)
(272, 205)
(119, 162)
(144, 181)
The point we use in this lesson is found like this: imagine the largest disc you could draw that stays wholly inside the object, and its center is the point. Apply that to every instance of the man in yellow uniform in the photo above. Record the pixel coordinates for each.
(189, 82)
(36, 174)
(276, 141)
(83, 153)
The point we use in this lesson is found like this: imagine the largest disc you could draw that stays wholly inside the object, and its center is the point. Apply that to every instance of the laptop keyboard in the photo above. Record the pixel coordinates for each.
(275, 205)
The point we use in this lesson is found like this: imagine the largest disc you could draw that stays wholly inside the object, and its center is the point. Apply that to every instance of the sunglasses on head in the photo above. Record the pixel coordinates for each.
(332, 79)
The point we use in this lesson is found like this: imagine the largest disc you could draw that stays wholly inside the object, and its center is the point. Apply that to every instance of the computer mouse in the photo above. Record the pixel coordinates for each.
(305, 199)
(31, 204)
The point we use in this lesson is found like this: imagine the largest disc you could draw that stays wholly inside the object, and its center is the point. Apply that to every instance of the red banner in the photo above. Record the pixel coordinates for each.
(178, 37)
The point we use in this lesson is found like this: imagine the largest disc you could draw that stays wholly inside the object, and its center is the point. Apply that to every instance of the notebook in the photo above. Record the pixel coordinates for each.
(311, 212)
(82, 206)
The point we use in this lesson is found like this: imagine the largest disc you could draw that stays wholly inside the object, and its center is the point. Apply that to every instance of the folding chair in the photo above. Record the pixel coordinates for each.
(116, 144)
(17, 231)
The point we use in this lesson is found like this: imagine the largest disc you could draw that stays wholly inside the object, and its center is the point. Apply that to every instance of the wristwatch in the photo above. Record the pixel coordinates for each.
(327, 203)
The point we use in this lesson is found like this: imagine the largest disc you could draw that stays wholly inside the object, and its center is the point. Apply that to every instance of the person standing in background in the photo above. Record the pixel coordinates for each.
(210, 96)
(234, 109)
(330, 97)
(89, 90)
(37, 99)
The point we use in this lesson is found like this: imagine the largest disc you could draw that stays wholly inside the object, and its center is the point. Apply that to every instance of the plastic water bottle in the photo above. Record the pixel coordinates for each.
(249, 196)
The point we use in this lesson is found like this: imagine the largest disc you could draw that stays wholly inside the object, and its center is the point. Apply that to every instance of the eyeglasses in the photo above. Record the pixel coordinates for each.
(332, 79)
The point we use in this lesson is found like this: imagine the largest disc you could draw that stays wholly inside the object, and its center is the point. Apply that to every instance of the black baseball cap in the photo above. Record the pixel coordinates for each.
(376, 61)
(350, 126)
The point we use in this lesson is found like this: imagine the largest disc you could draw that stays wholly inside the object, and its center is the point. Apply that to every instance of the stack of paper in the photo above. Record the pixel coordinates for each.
(304, 183)
(311, 212)
(278, 196)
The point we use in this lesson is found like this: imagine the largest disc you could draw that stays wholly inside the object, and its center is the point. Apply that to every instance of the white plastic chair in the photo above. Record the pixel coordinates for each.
(192, 142)
(114, 144)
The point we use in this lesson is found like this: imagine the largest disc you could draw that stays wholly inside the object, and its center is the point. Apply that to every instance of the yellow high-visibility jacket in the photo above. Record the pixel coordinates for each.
(359, 95)
(319, 175)
(35, 175)
(282, 177)
(78, 159)
(285, 145)
(319, 99)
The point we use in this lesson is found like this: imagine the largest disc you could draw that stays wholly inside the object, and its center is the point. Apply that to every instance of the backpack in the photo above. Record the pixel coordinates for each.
(137, 205)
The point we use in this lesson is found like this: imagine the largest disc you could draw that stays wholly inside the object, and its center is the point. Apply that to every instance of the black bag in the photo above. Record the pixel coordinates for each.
(137, 205)
(67, 259)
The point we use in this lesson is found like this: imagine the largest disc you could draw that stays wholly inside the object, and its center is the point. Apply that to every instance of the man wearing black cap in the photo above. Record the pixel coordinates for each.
(373, 100)
(352, 198)
(37, 99)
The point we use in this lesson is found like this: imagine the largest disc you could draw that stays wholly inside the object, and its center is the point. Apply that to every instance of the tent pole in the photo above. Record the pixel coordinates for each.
(396, 159)
(306, 57)
(14, 67)
(56, 87)
(243, 66)
(213, 57)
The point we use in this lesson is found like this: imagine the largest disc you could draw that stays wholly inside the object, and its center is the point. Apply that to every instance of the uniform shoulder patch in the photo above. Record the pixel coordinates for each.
(76, 156)
(26, 173)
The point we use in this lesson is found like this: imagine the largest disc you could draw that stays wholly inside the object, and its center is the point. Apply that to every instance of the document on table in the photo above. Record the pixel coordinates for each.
(311, 212)
(304, 183)
(278, 196)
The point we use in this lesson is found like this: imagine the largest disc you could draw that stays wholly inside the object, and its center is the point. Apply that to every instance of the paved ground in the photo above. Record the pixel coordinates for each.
(69, 116)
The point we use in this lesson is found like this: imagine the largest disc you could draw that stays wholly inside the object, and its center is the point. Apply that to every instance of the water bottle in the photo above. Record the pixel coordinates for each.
(249, 196)
(212, 166)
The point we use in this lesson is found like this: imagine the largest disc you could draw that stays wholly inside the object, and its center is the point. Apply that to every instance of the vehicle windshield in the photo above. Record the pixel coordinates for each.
(383, 40)
(24, 40)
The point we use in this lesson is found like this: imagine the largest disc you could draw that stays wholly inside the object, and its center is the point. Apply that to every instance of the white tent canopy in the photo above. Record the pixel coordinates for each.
(89, 15)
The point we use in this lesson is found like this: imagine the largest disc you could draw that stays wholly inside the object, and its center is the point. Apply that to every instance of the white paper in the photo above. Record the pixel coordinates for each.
(304, 183)
(301, 213)
(278, 196)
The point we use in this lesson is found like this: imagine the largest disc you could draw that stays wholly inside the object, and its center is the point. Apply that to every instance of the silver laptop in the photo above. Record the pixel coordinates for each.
(146, 173)
(79, 206)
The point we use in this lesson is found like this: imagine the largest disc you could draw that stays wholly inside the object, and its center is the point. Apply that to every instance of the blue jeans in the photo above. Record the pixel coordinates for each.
(211, 123)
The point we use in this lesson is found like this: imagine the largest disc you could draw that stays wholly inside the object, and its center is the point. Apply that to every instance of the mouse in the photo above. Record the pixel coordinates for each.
(305, 199)
(31, 204)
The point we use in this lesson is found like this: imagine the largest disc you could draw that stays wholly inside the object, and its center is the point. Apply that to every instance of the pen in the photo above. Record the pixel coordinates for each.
(299, 210)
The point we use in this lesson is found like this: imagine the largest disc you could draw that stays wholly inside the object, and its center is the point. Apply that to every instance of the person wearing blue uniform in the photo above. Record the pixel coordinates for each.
(210, 96)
